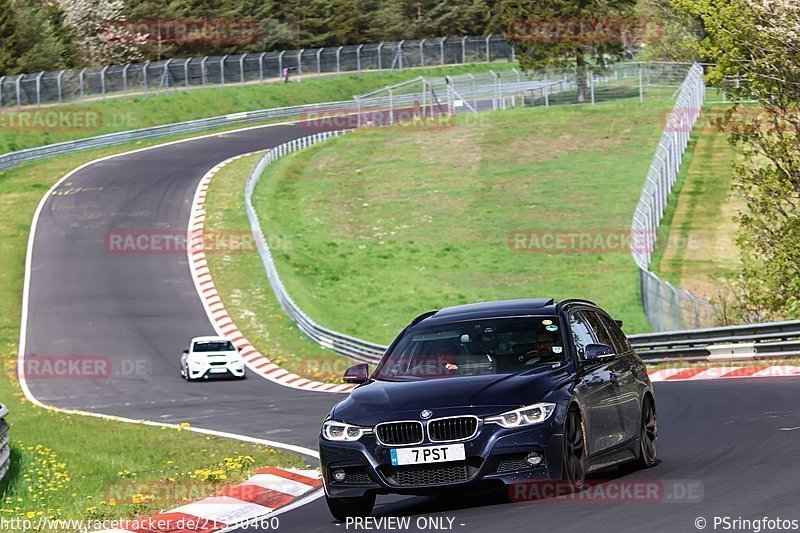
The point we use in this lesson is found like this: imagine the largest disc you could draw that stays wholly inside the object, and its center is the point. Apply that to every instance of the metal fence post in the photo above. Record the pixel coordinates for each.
(422, 53)
(441, 49)
(280, 63)
(81, 74)
(358, 57)
(144, 75)
(222, 69)
(641, 88)
(400, 54)
(380, 59)
(103, 81)
(464, 49)
(261, 67)
(488, 55)
(241, 69)
(391, 107)
(300, 63)
(58, 86)
(186, 73)
(165, 75)
(339, 59)
(203, 71)
(17, 88)
(546, 90)
(39, 89)
(591, 84)
(319, 64)
(124, 81)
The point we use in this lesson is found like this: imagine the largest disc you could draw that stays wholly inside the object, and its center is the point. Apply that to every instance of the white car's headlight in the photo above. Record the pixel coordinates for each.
(333, 430)
(524, 416)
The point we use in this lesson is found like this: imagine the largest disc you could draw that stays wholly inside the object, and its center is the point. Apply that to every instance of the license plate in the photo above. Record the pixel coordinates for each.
(427, 454)
(218, 370)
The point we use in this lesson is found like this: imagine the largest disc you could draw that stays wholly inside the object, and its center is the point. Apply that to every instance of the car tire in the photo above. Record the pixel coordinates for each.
(344, 508)
(648, 434)
(574, 467)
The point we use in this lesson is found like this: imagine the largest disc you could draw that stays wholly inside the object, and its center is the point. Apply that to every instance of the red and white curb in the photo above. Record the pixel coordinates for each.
(723, 372)
(268, 490)
(215, 309)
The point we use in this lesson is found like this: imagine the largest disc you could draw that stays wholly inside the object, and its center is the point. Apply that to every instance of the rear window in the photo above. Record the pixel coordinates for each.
(474, 347)
(213, 346)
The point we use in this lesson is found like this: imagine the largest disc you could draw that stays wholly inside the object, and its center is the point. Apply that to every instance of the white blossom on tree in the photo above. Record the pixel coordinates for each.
(99, 31)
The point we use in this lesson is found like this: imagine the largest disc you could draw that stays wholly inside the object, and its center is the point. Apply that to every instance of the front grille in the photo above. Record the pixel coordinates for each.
(457, 428)
(513, 464)
(217, 363)
(431, 474)
(399, 433)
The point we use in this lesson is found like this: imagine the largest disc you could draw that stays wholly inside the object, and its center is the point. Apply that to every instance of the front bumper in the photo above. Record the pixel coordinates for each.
(494, 457)
(206, 371)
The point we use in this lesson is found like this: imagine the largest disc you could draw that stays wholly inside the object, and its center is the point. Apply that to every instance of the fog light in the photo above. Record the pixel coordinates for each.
(339, 475)
(533, 458)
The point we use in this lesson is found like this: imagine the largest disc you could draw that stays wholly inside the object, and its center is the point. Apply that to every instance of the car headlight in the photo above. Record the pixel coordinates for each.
(524, 416)
(333, 430)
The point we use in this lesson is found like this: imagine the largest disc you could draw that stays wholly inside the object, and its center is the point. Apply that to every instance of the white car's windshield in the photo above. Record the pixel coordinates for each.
(213, 346)
(474, 347)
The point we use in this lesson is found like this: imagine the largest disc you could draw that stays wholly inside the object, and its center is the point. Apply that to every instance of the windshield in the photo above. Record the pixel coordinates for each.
(474, 347)
(214, 346)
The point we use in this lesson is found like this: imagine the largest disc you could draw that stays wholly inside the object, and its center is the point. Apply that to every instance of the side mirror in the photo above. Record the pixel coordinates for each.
(186, 352)
(357, 374)
(595, 352)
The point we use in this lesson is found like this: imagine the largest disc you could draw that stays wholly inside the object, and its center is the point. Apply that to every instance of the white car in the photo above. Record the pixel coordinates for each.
(211, 356)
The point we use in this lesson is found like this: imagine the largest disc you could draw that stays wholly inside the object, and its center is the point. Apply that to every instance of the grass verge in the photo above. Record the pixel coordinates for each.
(697, 248)
(241, 282)
(77, 467)
(380, 225)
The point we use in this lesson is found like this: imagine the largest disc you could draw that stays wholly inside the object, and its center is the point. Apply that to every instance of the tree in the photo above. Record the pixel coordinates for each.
(97, 34)
(565, 33)
(675, 35)
(756, 45)
(39, 40)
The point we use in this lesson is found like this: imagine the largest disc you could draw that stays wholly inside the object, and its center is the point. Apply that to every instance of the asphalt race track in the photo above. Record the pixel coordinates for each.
(731, 444)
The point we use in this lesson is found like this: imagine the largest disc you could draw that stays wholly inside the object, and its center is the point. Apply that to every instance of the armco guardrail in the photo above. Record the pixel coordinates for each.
(5, 449)
(772, 339)
(23, 156)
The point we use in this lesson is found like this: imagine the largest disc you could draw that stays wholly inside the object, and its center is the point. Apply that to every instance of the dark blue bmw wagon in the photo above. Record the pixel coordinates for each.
(495, 393)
